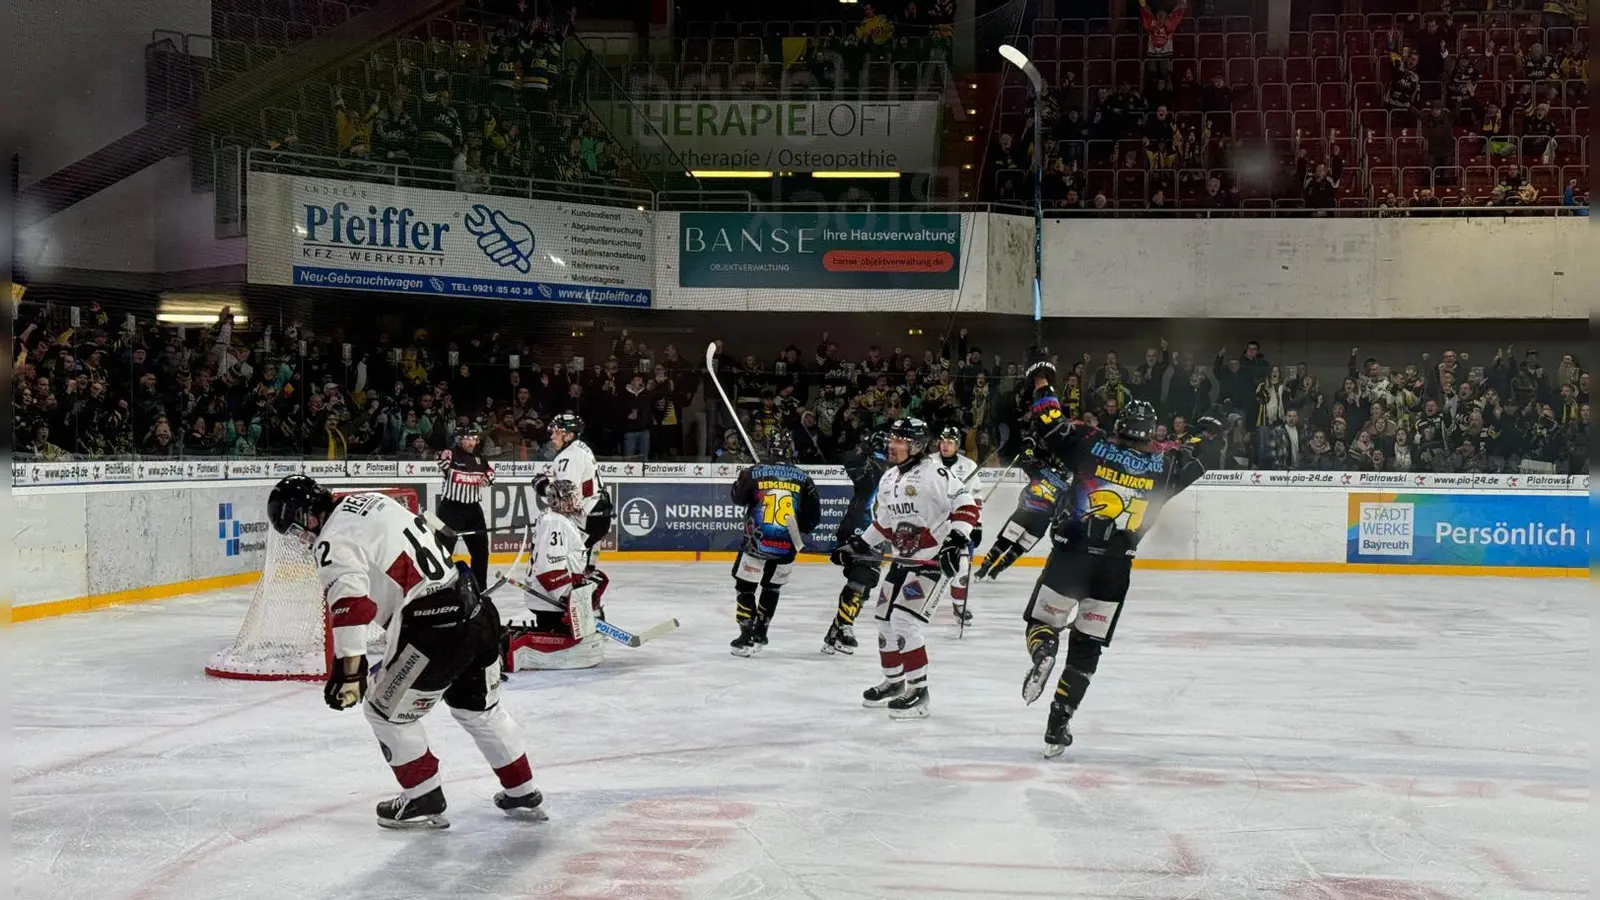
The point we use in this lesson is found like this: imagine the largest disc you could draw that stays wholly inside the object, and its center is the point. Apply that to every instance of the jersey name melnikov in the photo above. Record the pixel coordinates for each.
(374, 556)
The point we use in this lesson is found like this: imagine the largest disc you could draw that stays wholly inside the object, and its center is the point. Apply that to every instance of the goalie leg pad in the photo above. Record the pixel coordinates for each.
(532, 650)
(405, 748)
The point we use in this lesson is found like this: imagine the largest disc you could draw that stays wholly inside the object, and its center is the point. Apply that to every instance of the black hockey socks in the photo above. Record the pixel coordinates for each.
(744, 607)
(1083, 658)
(850, 600)
(769, 603)
(1038, 636)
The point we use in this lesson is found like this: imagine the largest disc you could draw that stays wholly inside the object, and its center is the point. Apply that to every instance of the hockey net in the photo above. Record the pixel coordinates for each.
(285, 635)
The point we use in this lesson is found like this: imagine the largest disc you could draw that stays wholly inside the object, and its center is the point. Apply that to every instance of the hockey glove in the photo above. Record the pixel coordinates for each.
(846, 554)
(951, 552)
(541, 487)
(976, 540)
(347, 682)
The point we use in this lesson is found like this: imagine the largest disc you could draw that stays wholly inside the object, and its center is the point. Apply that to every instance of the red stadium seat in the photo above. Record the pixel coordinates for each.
(1277, 122)
(1070, 47)
(1337, 122)
(1185, 44)
(1128, 46)
(1324, 42)
(1212, 67)
(1363, 69)
(1098, 46)
(1297, 70)
(1098, 73)
(1415, 178)
(1239, 45)
(1409, 150)
(1378, 151)
(1369, 95)
(1477, 182)
(1351, 22)
(1044, 48)
(1274, 96)
(1211, 46)
(1129, 71)
(1382, 180)
(1241, 71)
(1044, 26)
(1270, 69)
(1308, 122)
(1303, 96)
(1333, 95)
(1327, 69)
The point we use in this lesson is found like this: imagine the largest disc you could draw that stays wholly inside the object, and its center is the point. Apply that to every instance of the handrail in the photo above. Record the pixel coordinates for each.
(261, 160)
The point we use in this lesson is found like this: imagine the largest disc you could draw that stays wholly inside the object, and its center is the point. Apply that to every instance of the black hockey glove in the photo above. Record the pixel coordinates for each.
(951, 552)
(344, 688)
(846, 554)
(541, 487)
(976, 540)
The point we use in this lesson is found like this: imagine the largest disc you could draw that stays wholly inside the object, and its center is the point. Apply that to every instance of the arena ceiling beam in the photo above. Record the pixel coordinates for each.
(171, 133)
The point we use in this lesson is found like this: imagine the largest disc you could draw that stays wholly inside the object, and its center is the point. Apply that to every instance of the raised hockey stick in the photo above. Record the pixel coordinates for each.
(795, 536)
(601, 626)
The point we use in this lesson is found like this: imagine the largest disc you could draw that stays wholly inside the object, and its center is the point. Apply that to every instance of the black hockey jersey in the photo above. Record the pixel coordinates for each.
(865, 470)
(1117, 492)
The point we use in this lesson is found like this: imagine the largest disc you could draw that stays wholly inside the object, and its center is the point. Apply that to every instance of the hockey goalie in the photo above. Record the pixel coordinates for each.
(563, 592)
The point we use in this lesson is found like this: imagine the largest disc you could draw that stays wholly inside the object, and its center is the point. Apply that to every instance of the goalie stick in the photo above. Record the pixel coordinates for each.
(621, 636)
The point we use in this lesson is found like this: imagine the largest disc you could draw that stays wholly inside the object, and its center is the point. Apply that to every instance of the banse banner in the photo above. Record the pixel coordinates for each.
(850, 251)
(316, 232)
(1541, 530)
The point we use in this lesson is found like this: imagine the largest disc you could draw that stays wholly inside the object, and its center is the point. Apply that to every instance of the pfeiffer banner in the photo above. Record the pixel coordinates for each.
(781, 135)
(316, 232)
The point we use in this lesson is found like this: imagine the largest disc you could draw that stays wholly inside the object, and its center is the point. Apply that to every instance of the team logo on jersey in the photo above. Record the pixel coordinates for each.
(911, 490)
(639, 517)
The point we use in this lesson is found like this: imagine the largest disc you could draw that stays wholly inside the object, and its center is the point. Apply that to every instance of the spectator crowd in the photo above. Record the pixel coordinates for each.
(95, 391)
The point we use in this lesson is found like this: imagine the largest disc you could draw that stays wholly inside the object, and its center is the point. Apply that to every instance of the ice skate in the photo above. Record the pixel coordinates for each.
(1057, 731)
(426, 811)
(745, 644)
(911, 704)
(959, 610)
(759, 636)
(527, 806)
(1044, 662)
(881, 695)
(840, 639)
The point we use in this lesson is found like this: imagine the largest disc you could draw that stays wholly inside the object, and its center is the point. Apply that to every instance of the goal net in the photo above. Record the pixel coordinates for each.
(285, 635)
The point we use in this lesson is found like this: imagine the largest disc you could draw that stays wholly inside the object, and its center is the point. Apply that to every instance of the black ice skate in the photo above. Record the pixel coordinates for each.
(745, 644)
(426, 811)
(840, 639)
(527, 806)
(1044, 662)
(1057, 731)
(961, 614)
(760, 634)
(913, 704)
(883, 693)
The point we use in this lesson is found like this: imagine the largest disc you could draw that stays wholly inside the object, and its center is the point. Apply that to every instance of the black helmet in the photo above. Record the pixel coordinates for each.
(568, 422)
(912, 431)
(1042, 369)
(780, 445)
(951, 433)
(1137, 422)
(293, 502)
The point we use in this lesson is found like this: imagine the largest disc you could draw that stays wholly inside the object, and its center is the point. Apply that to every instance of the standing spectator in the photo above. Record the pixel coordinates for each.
(1405, 87)
(1320, 191)
(441, 133)
(1159, 28)
(637, 411)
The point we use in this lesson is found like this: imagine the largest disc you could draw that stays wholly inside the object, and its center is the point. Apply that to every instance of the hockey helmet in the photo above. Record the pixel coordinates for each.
(1137, 422)
(563, 497)
(913, 431)
(292, 504)
(568, 422)
(1045, 369)
(780, 445)
(950, 433)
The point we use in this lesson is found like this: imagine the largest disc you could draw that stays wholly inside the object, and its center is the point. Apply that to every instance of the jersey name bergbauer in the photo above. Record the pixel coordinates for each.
(780, 498)
(374, 556)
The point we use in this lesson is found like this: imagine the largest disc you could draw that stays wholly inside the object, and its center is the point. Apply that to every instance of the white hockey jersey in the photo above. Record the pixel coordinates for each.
(374, 556)
(576, 464)
(917, 506)
(961, 470)
(556, 563)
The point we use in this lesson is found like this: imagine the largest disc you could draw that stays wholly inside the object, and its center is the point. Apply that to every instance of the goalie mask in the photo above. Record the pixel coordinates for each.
(294, 503)
(563, 497)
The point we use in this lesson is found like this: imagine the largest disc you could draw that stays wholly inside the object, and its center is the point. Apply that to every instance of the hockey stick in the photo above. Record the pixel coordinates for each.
(795, 537)
(601, 626)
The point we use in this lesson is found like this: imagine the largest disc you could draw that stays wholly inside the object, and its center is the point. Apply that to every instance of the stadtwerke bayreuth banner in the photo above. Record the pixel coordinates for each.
(821, 251)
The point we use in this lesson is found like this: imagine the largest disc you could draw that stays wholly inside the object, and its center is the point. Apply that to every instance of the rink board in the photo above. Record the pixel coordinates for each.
(118, 539)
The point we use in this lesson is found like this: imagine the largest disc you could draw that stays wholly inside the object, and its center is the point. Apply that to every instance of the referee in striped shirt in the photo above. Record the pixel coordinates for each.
(460, 506)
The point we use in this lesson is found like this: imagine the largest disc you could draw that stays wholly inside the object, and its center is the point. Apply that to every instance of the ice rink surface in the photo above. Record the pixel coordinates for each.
(1248, 736)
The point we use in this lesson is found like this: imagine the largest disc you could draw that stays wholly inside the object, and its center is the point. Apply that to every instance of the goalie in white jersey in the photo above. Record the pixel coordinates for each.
(924, 518)
(964, 470)
(563, 591)
(382, 565)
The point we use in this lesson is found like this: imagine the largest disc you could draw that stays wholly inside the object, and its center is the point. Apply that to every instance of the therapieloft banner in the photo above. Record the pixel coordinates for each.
(871, 251)
(1540, 530)
(780, 135)
(316, 232)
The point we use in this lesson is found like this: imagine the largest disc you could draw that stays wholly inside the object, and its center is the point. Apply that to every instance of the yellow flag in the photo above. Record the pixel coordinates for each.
(794, 50)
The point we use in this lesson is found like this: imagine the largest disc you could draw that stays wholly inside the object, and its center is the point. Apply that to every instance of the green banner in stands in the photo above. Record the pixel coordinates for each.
(849, 251)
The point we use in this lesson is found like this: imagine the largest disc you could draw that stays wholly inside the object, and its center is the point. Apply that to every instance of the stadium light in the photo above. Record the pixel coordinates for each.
(1020, 60)
(855, 174)
(720, 173)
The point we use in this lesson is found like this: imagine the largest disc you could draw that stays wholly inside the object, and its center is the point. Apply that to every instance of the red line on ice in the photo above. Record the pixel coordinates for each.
(1518, 876)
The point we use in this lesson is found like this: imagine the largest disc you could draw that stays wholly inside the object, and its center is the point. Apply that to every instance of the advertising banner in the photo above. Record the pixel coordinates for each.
(762, 135)
(840, 251)
(1546, 530)
(316, 232)
(699, 516)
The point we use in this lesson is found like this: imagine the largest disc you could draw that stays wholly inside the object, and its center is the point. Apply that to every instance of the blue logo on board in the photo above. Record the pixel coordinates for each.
(228, 529)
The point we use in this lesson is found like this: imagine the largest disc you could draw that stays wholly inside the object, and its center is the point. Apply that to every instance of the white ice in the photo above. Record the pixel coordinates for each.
(1247, 736)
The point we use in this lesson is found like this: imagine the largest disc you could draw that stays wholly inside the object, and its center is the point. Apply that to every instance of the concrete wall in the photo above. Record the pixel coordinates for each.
(1391, 268)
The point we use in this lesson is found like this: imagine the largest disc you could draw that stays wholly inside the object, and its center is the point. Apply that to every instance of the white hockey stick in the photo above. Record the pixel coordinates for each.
(601, 626)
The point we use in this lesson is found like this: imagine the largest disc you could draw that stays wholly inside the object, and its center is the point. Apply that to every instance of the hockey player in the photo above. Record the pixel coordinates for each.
(864, 466)
(574, 462)
(1039, 500)
(783, 504)
(563, 592)
(381, 565)
(963, 470)
(924, 518)
(1120, 483)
